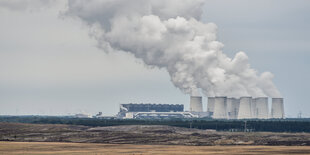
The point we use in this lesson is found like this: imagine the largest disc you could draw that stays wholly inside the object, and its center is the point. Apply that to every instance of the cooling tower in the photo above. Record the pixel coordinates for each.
(245, 110)
(232, 108)
(196, 104)
(220, 107)
(229, 107)
(210, 107)
(277, 108)
(253, 108)
(261, 107)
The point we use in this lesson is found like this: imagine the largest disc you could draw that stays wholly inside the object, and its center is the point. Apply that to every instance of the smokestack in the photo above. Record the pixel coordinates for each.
(262, 107)
(277, 108)
(232, 108)
(220, 107)
(196, 104)
(245, 111)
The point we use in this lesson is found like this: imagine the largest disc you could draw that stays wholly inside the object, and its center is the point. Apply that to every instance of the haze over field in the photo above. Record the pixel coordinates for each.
(50, 63)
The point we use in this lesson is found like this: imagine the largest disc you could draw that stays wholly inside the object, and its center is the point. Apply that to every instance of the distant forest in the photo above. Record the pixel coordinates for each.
(271, 125)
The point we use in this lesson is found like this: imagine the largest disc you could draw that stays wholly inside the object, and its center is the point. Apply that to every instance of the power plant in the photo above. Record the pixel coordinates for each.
(261, 109)
(277, 108)
(196, 104)
(219, 107)
(245, 108)
(210, 107)
(233, 107)
(142, 111)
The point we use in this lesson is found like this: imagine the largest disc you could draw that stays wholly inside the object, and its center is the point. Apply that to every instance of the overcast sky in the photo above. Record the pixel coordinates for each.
(50, 66)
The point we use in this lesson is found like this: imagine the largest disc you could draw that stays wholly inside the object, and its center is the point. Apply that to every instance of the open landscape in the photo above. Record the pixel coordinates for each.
(154, 77)
(144, 134)
(103, 136)
(27, 148)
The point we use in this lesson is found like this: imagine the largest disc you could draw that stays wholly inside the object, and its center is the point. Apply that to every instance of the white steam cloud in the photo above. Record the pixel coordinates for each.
(168, 34)
(26, 5)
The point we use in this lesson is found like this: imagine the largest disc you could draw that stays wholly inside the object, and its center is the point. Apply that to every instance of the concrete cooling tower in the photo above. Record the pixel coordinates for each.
(196, 103)
(253, 108)
(232, 108)
(261, 109)
(245, 110)
(210, 107)
(229, 107)
(277, 108)
(220, 107)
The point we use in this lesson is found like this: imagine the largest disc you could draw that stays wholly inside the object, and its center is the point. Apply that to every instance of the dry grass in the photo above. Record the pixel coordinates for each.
(144, 135)
(88, 148)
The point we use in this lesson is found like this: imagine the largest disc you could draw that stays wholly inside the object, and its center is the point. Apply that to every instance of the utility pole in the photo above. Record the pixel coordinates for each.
(299, 114)
(244, 126)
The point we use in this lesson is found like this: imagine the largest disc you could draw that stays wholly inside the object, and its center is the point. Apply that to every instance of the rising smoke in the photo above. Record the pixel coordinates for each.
(169, 34)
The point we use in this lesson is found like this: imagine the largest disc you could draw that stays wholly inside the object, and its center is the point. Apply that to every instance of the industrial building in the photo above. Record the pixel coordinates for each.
(233, 107)
(134, 110)
(261, 108)
(196, 104)
(210, 107)
(218, 107)
(277, 108)
(245, 108)
(159, 115)
(134, 107)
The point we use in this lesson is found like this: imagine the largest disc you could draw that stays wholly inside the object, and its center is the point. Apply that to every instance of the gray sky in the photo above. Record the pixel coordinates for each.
(49, 65)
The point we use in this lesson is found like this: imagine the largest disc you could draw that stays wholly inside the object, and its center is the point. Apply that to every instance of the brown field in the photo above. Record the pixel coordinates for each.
(144, 135)
(21, 138)
(91, 148)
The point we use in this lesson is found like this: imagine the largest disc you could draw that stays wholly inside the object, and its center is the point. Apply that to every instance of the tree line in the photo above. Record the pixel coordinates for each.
(272, 125)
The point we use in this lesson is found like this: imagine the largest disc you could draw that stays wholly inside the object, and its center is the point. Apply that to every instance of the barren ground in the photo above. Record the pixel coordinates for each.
(144, 135)
(27, 148)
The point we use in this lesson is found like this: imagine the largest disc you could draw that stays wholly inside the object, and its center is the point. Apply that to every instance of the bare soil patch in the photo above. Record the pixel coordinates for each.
(27, 148)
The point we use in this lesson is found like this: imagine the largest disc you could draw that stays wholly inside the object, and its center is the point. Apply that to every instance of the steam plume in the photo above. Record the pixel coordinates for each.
(168, 34)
